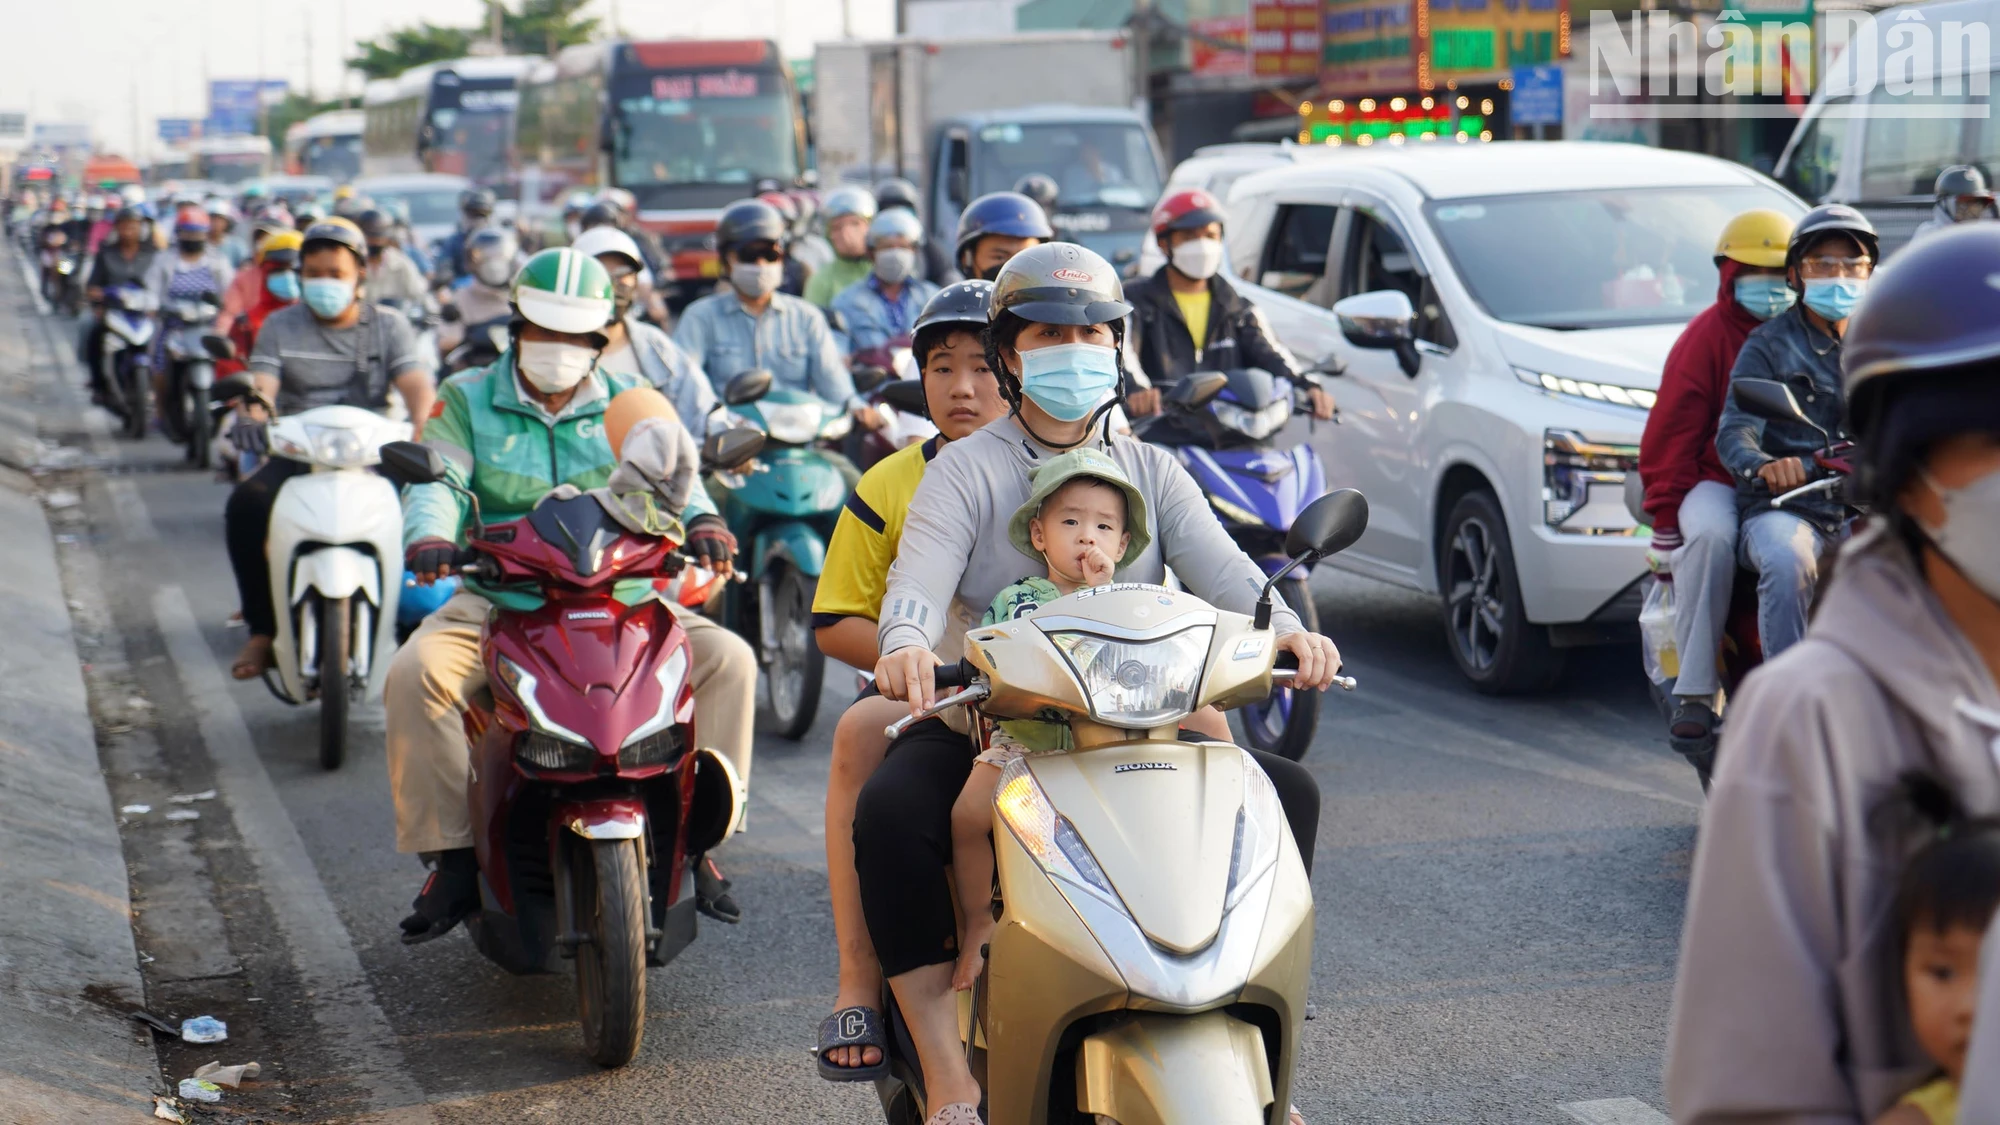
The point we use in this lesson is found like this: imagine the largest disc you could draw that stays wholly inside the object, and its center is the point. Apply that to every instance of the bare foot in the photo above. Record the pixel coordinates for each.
(971, 955)
(1295, 1117)
(253, 659)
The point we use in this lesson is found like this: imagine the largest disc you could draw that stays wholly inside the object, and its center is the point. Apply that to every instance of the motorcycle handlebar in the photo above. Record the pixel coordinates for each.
(954, 675)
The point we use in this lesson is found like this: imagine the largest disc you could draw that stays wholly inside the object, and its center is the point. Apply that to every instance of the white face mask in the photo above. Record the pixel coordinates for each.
(755, 279)
(1970, 537)
(552, 367)
(894, 265)
(1199, 258)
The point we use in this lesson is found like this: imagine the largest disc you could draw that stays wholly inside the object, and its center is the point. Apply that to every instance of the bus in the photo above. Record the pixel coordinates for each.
(229, 160)
(687, 126)
(455, 117)
(326, 144)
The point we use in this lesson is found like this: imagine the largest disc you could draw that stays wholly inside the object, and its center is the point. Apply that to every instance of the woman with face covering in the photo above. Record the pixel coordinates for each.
(1053, 343)
(1788, 1005)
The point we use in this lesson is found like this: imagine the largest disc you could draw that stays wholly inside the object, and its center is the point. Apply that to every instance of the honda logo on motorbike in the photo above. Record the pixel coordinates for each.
(590, 615)
(1130, 767)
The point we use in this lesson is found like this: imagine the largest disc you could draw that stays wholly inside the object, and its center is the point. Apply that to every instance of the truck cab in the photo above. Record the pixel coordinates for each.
(1105, 162)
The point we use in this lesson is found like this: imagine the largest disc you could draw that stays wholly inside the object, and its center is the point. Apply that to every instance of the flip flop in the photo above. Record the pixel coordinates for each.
(852, 1027)
(957, 1113)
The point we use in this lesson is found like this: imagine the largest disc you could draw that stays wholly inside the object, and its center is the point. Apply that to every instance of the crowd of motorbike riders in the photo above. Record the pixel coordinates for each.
(1849, 855)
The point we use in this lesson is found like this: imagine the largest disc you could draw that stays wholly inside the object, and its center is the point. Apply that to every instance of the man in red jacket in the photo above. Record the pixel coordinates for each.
(1690, 497)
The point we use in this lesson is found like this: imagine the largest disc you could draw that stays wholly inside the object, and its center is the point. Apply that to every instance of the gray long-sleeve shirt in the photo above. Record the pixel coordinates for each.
(955, 555)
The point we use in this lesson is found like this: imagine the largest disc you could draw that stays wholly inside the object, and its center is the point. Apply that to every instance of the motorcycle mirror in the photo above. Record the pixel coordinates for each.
(907, 395)
(407, 462)
(1772, 401)
(230, 389)
(451, 314)
(730, 449)
(218, 347)
(747, 387)
(866, 379)
(1328, 526)
(1197, 389)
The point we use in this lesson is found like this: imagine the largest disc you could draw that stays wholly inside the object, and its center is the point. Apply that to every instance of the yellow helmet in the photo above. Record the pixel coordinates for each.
(279, 244)
(1756, 238)
(344, 191)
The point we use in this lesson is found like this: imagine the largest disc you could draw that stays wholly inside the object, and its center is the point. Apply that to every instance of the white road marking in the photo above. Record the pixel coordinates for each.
(343, 1006)
(1615, 1111)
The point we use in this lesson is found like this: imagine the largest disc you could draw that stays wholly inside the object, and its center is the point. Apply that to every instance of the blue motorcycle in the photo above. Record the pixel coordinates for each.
(1224, 427)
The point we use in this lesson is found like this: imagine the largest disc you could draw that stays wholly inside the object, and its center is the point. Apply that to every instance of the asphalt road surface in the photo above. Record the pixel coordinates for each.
(1499, 882)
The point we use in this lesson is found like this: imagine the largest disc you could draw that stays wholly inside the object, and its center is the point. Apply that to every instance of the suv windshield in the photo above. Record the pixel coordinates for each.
(1594, 259)
(1104, 164)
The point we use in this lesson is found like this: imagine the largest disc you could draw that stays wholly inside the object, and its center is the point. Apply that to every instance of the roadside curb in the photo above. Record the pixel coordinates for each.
(68, 966)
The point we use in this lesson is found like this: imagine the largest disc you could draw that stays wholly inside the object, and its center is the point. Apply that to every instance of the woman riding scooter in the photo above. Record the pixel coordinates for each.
(1057, 318)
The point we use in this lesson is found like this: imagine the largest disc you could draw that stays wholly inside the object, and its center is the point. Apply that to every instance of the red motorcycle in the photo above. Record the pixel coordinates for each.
(590, 799)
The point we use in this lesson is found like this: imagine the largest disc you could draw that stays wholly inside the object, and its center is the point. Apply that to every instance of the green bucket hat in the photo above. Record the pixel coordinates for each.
(1066, 467)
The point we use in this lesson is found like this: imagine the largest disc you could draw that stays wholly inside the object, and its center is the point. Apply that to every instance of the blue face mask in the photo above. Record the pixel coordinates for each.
(1834, 297)
(1069, 380)
(328, 297)
(1764, 296)
(284, 285)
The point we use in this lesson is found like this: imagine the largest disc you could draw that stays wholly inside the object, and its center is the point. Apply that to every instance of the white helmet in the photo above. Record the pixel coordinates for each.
(608, 240)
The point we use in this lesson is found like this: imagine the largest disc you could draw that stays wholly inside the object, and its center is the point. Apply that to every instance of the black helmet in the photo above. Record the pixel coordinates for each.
(1961, 179)
(1059, 283)
(1830, 219)
(895, 192)
(375, 223)
(128, 212)
(963, 302)
(1040, 187)
(750, 220)
(1001, 212)
(476, 201)
(599, 215)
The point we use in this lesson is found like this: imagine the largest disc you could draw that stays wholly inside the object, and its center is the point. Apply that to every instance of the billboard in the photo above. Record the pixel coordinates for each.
(1284, 38)
(1369, 46)
(62, 134)
(234, 104)
(173, 130)
(1463, 38)
(1207, 56)
(13, 126)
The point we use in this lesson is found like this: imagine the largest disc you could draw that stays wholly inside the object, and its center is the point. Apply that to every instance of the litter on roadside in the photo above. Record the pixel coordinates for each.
(230, 1076)
(155, 1022)
(163, 1108)
(183, 814)
(191, 798)
(200, 1090)
(204, 1029)
(135, 810)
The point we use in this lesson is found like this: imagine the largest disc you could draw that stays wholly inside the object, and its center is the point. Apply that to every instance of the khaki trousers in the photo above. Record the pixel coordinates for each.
(438, 669)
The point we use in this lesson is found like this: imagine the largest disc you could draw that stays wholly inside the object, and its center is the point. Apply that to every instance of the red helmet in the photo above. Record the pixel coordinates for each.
(1184, 210)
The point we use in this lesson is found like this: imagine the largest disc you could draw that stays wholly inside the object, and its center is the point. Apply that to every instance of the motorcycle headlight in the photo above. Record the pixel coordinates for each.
(793, 423)
(1048, 836)
(1136, 684)
(546, 751)
(672, 674)
(521, 683)
(1254, 424)
(339, 448)
(836, 427)
(1259, 833)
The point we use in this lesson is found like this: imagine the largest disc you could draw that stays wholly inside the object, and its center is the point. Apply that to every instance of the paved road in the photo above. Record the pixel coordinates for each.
(1499, 881)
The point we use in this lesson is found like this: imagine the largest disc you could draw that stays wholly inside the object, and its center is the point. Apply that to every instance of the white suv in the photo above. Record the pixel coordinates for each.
(1496, 316)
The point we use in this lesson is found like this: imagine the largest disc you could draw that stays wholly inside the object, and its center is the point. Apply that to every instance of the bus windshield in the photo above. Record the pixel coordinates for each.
(681, 129)
(232, 167)
(472, 142)
(335, 157)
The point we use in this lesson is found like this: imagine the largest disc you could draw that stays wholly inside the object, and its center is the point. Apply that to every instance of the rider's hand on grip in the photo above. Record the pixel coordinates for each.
(1318, 659)
(710, 544)
(908, 674)
(429, 559)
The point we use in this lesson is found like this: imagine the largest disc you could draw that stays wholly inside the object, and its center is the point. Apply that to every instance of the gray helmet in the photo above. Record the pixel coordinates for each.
(849, 200)
(1059, 283)
(1961, 179)
(896, 192)
(750, 220)
(963, 302)
(1040, 187)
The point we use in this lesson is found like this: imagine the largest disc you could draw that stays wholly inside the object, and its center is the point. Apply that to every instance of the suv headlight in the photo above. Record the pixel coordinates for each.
(1048, 836)
(1584, 389)
(1254, 424)
(1583, 484)
(1136, 684)
(522, 683)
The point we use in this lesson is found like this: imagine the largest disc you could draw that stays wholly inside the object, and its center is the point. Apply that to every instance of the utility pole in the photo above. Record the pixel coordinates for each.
(496, 25)
(1142, 34)
(311, 86)
(846, 19)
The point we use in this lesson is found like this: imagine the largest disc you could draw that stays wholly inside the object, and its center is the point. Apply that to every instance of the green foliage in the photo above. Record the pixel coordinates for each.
(544, 27)
(404, 48)
(295, 108)
(540, 27)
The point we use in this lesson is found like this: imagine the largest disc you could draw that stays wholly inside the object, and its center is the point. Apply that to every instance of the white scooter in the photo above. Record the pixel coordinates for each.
(336, 553)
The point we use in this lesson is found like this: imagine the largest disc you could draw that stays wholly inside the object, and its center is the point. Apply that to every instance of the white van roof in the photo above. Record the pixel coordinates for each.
(1446, 170)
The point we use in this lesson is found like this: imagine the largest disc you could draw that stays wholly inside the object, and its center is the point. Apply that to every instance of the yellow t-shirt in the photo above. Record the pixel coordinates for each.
(1194, 310)
(865, 538)
(1938, 1099)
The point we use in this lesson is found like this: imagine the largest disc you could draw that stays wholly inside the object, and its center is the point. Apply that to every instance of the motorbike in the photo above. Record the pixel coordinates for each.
(1830, 470)
(189, 373)
(335, 547)
(783, 511)
(591, 800)
(129, 328)
(61, 285)
(482, 344)
(1257, 490)
(1154, 945)
(889, 376)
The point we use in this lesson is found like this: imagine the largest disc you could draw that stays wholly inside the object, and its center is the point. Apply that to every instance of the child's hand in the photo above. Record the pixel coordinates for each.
(1096, 565)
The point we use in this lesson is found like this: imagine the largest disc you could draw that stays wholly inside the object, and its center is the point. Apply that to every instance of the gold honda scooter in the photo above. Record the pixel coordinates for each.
(1154, 941)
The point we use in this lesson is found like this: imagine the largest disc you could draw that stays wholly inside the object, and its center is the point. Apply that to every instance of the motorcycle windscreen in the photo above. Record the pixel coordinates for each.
(579, 528)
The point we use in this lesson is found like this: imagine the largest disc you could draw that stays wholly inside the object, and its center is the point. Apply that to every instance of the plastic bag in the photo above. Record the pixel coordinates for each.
(1656, 633)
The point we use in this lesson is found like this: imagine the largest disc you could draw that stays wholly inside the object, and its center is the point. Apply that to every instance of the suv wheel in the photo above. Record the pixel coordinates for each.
(1494, 643)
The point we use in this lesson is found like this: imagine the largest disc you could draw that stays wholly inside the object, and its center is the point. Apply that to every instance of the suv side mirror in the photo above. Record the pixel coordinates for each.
(407, 462)
(1329, 525)
(907, 395)
(730, 449)
(1197, 389)
(1382, 319)
(747, 387)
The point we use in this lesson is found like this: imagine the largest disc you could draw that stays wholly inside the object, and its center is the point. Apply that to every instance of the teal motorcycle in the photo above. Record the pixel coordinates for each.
(782, 510)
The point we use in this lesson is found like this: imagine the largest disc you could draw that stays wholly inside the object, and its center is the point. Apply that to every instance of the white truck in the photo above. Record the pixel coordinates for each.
(963, 117)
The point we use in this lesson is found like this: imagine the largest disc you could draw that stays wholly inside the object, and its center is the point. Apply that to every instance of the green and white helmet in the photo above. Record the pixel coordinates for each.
(563, 291)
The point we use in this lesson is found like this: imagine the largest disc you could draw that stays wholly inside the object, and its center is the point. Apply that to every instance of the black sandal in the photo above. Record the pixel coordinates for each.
(852, 1027)
(450, 896)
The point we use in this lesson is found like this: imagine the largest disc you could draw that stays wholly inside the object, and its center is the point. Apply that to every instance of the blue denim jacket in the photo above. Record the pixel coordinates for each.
(1788, 349)
(871, 319)
(675, 373)
(791, 340)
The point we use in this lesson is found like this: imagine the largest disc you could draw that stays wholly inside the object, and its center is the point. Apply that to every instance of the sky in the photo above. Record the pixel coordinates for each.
(115, 63)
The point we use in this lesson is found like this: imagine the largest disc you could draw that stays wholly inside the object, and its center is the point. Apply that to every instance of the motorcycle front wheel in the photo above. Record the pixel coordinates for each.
(609, 881)
(335, 645)
(174, 407)
(138, 388)
(201, 426)
(1284, 723)
(797, 667)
